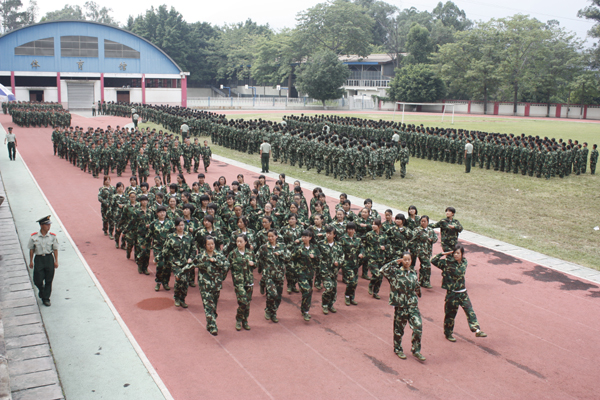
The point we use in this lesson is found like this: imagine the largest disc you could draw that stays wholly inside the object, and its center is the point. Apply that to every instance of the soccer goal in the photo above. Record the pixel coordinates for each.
(443, 105)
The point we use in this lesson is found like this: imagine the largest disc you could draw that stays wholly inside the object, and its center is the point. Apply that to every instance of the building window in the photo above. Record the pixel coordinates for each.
(118, 50)
(41, 47)
(78, 46)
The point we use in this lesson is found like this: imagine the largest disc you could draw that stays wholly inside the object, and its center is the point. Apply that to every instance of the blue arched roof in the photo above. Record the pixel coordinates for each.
(152, 59)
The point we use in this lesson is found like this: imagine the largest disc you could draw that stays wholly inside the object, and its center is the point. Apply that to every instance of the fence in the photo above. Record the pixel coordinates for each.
(278, 103)
(571, 111)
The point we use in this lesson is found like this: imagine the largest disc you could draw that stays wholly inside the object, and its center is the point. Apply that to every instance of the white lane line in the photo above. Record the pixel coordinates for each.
(161, 385)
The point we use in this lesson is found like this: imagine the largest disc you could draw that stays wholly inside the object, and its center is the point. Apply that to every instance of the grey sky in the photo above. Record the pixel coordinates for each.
(279, 14)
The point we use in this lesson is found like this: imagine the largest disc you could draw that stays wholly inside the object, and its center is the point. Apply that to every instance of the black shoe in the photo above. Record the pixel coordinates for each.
(46, 303)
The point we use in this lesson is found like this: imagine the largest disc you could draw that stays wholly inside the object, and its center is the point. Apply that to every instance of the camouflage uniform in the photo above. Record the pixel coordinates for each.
(330, 254)
(453, 280)
(421, 246)
(175, 253)
(210, 271)
(272, 260)
(157, 234)
(449, 229)
(376, 257)
(243, 281)
(105, 197)
(352, 249)
(306, 261)
(404, 289)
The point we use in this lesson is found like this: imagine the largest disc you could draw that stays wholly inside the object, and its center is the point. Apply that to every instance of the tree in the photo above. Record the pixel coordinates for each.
(470, 65)
(233, 48)
(323, 76)
(380, 12)
(92, 12)
(593, 12)
(11, 16)
(451, 16)
(418, 45)
(73, 13)
(416, 83)
(189, 45)
(338, 26)
(275, 57)
(523, 39)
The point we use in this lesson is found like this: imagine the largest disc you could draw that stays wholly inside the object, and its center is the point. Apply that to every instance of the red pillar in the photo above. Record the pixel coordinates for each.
(183, 91)
(496, 108)
(143, 88)
(585, 111)
(102, 87)
(469, 108)
(558, 107)
(58, 86)
(12, 82)
(527, 105)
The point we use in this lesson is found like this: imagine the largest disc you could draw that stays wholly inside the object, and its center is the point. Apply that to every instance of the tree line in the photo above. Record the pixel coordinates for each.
(437, 54)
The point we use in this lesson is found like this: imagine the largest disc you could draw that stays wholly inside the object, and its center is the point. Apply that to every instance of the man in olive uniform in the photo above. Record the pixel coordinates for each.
(44, 246)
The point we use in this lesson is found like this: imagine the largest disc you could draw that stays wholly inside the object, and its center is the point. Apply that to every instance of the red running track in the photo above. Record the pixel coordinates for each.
(542, 325)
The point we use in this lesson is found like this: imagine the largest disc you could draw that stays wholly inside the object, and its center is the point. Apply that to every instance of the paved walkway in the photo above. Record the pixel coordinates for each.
(27, 368)
(95, 354)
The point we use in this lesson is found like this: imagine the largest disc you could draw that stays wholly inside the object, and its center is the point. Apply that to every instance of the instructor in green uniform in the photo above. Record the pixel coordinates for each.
(44, 246)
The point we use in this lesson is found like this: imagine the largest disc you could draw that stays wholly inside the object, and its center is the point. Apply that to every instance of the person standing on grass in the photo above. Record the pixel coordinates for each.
(468, 156)
(593, 159)
(44, 245)
(265, 153)
(11, 140)
(404, 289)
(454, 268)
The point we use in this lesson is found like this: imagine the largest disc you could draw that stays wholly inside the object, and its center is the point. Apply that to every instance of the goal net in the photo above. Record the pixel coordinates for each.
(424, 107)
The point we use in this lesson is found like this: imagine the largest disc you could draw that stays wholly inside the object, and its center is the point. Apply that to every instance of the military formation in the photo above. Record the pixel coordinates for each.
(108, 150)
(357, 148)
(27, 114)
(279, 239)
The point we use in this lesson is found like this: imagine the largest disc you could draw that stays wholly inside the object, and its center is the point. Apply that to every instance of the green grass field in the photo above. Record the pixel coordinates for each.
(554, 217)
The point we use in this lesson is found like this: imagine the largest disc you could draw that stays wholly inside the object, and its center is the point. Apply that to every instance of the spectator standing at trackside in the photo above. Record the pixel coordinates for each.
(468, 156)
(11, 141)
(265, 153)
(93, 109)
(44, 245)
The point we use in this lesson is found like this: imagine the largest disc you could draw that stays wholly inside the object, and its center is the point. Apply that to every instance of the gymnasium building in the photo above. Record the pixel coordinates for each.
(78, 63)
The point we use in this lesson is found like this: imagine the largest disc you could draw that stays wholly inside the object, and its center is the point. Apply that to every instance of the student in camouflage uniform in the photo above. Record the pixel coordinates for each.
(118, 203)
(593, 159)
(178, 252)
(378, 250)
(212, 266)
(449, 229)
(206, 155)
(454, 267)
(332, 258)
(404, 290)
(291, 234)
(272, 258)
(353, 253)
(241, 261)
(142, 219)
(421, 247)
(307, 258)
(158, 233)
(105, 194)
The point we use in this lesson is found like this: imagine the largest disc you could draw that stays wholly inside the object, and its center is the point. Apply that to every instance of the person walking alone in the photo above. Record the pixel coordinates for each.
(44, 246)
(11, 141)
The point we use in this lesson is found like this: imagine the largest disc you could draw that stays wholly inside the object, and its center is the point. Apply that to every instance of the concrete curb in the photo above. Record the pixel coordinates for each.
(4, 380)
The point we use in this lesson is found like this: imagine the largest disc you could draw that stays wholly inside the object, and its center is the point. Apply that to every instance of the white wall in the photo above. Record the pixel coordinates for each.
(110, 94)
(135, 95)
(163, 96)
